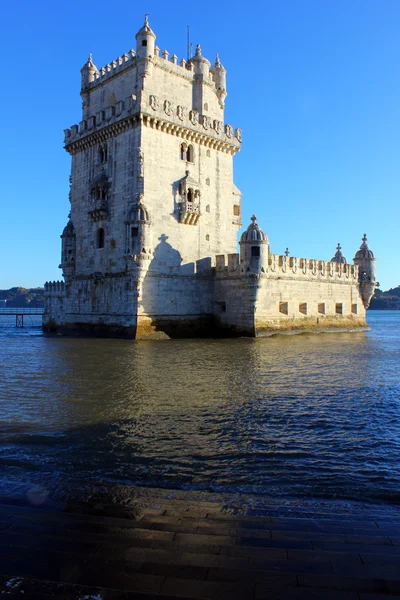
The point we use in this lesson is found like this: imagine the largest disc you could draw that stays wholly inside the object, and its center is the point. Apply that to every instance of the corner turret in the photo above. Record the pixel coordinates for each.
(68, 251)
(365, 261)
(219, 74)
(254, 249)
(145, 39)
(137, 232)
(200, 64)
(88, 73)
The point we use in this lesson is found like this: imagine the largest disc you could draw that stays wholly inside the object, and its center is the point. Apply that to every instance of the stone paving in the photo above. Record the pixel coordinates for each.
(182, 549)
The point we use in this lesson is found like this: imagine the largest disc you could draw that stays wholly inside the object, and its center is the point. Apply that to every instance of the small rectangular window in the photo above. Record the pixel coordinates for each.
(303, 308)
(321, 308)
(134, 232)
(236, 210)
(144, 42)
(354, 309)
(284, 308)
(255, 251)
(339, 308)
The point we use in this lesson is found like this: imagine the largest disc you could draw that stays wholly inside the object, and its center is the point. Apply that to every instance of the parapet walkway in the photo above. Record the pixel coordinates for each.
(184, 549)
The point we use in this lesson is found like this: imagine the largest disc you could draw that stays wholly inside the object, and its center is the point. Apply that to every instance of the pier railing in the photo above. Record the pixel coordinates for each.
(20, 313)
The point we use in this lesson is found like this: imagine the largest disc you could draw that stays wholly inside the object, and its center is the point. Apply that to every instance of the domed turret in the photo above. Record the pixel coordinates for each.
(137, 231)
(365, 260)
(145, 39)
(88, 72)
(254, 248)
(339, 258)
(219, 74)
(139, 214)
(68, 251)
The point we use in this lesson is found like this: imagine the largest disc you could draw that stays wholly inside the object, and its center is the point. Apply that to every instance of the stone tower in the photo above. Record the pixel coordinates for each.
(152, 193)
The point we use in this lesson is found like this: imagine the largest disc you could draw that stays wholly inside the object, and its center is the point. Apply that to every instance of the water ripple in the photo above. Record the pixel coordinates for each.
(305, 416)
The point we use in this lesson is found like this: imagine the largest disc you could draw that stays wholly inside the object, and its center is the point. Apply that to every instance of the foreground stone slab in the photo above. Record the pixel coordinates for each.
(168, 551)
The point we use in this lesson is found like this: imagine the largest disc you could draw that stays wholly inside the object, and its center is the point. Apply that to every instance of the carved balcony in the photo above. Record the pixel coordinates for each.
(99, 210)
(189, 212)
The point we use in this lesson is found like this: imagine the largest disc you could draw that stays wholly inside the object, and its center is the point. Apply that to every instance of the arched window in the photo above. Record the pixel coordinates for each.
(186, 152)
(190, 195)
(100, 238)
(103, 153)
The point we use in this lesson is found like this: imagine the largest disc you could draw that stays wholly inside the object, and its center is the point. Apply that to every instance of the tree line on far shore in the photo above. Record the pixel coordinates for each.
(389, 300)
(19, 297)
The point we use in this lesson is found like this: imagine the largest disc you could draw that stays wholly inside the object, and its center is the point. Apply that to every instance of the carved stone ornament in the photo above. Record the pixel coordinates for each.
(206, 122)
(229, 131)
(168, 107)
(218, 126)
(194, 117)
(154, 102)
(181, 112)
(238, 134)
(140, 163)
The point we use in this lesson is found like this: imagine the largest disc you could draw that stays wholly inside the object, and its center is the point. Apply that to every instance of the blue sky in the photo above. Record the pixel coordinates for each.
(314, 85)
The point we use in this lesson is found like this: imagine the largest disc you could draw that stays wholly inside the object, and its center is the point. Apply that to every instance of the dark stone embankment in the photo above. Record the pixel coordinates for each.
(182, 545)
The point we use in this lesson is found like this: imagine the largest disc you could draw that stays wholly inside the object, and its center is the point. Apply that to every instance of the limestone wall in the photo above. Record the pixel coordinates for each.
(120, 170)
(99, 304)
(291, 294)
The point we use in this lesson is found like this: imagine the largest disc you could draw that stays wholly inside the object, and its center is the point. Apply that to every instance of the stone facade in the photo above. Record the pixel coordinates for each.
(154, 211)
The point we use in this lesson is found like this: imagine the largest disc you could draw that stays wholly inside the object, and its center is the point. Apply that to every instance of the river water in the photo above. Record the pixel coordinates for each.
(306, 416)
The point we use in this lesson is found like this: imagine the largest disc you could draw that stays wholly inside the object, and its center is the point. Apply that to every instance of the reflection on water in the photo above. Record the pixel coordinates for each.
(308, 415)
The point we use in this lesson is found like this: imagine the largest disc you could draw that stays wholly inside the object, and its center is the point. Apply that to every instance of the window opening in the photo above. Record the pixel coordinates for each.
(103, 153)
(284, 308)
(255, 251)
(339, 309)
(100, 238)
(303, 308)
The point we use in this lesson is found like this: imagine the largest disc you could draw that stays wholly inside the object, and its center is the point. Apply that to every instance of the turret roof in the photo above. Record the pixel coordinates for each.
(253, 233)
(339, 258)
(364, 251)
(146, 29)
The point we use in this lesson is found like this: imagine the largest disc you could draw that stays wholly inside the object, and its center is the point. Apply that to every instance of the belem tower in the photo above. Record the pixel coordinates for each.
(150, 249)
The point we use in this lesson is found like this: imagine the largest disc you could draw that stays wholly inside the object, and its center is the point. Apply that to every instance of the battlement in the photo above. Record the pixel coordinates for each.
(129, 59)
(285, 267)
(54, 288)
(163, 115)
(111, 69)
